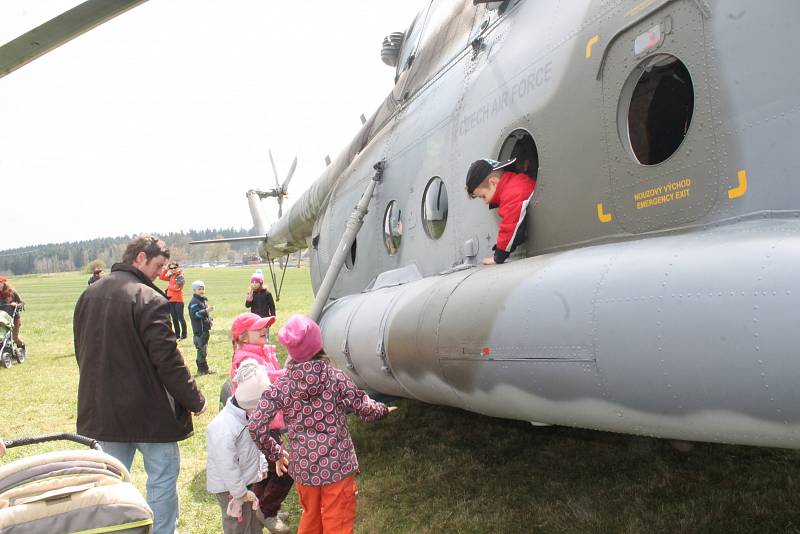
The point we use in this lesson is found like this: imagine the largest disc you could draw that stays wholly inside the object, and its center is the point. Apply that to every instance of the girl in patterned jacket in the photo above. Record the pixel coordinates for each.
(315, 398)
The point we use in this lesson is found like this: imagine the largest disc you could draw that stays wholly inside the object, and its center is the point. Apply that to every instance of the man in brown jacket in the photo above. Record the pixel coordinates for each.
(135, 391)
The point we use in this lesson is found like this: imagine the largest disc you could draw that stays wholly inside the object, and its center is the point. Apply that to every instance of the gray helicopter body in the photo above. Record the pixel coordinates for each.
(658, 291)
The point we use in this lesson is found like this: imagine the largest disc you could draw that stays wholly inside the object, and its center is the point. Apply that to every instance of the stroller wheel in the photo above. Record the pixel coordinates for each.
(5, 358)
(20, 354)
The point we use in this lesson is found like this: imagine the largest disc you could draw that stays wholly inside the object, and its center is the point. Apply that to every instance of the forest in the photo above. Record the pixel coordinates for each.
(78, 255)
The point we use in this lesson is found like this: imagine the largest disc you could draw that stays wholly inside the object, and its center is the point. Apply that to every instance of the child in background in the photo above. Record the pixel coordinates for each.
(200, 316)
(234, 461)
(250, 336)
(259, 299)
(315, 399)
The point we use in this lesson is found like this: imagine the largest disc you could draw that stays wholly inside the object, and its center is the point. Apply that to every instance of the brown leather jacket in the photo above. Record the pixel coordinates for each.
(134, 384)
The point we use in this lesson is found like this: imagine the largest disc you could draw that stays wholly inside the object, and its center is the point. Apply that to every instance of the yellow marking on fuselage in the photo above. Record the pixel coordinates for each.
(741, 189)
(603, 216)
(635, 10)
(593, 41)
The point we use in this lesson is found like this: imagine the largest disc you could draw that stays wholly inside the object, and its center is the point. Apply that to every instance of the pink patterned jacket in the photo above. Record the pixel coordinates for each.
(315, 399)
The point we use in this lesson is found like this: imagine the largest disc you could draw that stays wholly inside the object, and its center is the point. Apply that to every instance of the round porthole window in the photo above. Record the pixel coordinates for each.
(392, 228)
(656, 109)
(434, 208)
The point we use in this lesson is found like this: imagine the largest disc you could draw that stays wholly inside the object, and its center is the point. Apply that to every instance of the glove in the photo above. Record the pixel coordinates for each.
(235, 506)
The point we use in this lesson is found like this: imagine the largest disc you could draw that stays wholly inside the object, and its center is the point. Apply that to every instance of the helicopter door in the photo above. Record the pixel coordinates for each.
(658, 119)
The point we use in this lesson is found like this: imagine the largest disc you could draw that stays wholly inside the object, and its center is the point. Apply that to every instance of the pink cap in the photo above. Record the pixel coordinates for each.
(301, 337)
(249, 321)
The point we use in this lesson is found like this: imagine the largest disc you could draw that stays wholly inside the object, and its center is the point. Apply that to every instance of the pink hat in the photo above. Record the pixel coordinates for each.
(257, 278)
(249, 321)
(301, 337)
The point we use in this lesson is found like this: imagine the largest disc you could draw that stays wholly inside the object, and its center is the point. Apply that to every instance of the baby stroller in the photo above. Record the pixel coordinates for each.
(8, 349)
(84, 491)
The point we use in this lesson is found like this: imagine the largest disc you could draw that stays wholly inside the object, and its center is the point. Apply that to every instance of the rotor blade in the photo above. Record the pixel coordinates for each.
(244, 239)
(285, 186)
(58, 30)
(274, 170)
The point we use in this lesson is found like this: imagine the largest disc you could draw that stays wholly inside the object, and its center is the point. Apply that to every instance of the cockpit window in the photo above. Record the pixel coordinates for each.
(434, 208)
(392, 228)
(409, 49)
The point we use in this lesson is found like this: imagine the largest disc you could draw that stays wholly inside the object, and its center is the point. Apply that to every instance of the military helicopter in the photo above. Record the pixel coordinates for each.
(656, 291)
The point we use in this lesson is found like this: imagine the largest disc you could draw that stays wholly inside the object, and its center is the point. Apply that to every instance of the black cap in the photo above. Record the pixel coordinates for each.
(482, 168)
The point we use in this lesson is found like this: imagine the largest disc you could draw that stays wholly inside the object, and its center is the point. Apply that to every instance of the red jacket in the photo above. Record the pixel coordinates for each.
(174, 291)
(511, 199)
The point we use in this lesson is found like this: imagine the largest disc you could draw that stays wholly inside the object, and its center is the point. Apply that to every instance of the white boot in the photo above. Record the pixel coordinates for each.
(275, 525)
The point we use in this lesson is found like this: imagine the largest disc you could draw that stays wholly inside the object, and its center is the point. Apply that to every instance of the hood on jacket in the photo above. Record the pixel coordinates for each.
(311, 378)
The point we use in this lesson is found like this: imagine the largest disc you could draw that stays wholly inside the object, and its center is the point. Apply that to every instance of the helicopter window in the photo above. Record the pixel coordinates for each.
(660, 109)
(434, 208)
(350, 259)
(409, 48)
(392, 228)
(445, 33)
(520, 145)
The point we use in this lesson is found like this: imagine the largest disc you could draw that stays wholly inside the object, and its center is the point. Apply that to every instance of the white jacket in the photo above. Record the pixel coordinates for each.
(234, 460)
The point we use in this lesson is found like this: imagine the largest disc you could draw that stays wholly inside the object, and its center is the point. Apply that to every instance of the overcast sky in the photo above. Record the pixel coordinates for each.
(160, 119)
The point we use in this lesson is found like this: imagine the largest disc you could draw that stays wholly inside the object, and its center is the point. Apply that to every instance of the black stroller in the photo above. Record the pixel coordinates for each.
(9, 350)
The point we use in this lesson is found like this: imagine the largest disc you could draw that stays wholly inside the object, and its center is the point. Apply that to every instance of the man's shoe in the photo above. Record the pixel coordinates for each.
(201, 372)
(275, 525)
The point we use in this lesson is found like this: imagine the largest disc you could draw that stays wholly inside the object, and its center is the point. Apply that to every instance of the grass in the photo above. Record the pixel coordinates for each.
(431, 469)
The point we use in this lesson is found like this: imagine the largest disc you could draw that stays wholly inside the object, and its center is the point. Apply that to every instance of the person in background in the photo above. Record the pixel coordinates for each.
(174, 275)
(97, 274)
(509, 192)
(135, 392)
(234, 462)
(315, 398)
(200, 317)
(11, 298)
(258, 298)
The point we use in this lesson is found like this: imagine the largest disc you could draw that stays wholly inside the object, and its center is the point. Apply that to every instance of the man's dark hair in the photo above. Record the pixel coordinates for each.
(149, 244)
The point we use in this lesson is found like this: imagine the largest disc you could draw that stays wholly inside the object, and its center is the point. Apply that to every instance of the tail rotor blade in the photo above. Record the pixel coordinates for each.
(288, 179)
(274, 170)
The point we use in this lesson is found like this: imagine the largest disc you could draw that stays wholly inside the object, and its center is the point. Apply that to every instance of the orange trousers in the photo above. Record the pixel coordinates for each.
(328, 509)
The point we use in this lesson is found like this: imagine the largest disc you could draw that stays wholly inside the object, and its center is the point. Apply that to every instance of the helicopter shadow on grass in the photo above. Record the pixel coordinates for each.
(570, 479)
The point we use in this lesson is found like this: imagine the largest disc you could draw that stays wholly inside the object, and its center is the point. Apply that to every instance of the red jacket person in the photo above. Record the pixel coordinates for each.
(509, 192)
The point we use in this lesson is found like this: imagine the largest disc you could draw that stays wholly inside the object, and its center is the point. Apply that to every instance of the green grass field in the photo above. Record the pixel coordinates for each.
(431, 469)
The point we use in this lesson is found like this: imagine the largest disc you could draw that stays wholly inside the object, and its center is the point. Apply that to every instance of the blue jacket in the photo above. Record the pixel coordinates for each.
(198, 313)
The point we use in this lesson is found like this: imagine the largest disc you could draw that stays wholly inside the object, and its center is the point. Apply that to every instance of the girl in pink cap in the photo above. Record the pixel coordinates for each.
(315, 399)
(250, 336)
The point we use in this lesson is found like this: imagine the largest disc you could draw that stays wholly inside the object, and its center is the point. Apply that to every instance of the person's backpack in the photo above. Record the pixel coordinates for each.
(180, 280)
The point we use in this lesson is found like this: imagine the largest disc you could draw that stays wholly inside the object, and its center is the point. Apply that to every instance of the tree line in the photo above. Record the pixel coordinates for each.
(77, 255)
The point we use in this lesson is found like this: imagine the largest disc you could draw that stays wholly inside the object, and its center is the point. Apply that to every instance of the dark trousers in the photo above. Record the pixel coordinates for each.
(272, 491)
(178, 322)
(201, 344)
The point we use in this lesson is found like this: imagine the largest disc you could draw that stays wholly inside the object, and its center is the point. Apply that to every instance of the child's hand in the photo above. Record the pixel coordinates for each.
(282, 465)
(488, 261)
(392, 408)
(2, 448)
